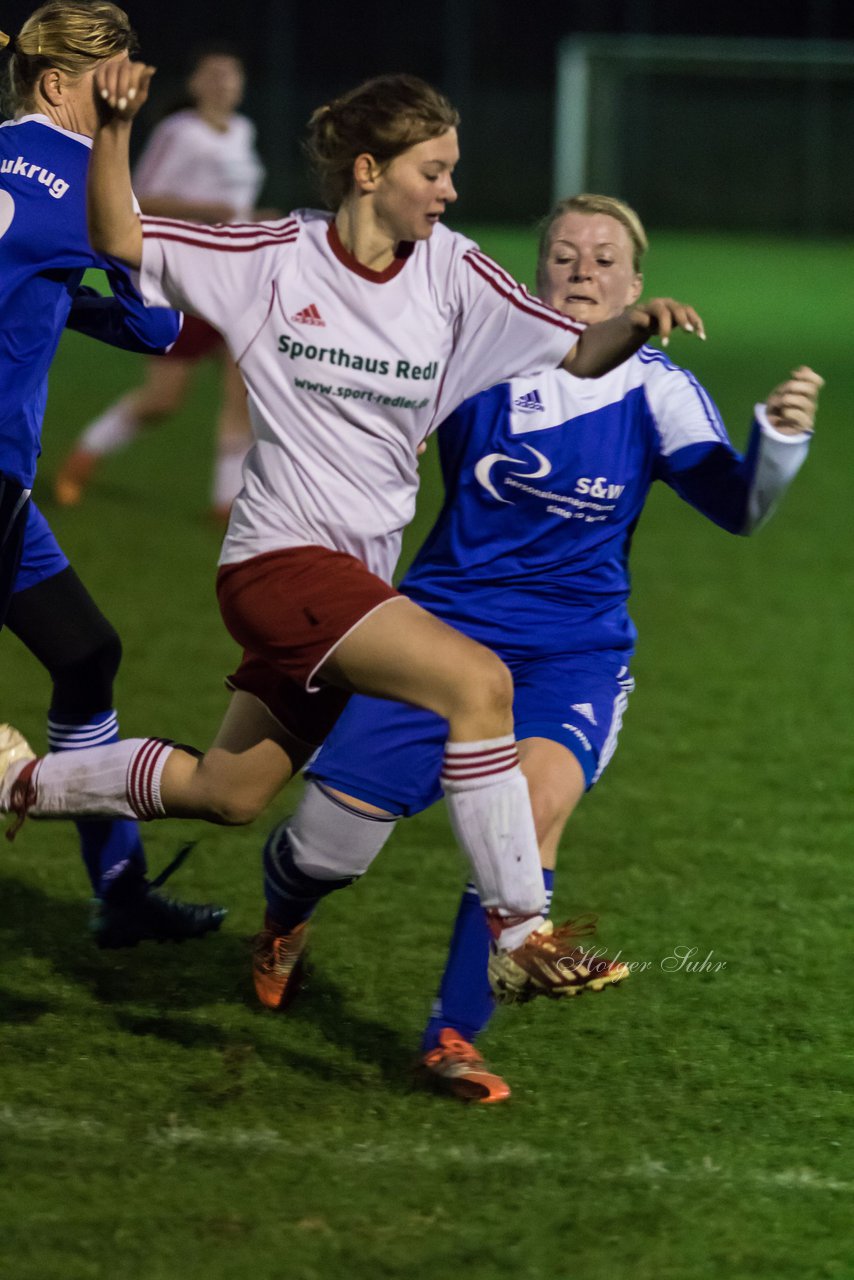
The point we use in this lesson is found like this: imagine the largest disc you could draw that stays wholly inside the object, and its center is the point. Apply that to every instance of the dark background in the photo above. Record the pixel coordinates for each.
(705, 153)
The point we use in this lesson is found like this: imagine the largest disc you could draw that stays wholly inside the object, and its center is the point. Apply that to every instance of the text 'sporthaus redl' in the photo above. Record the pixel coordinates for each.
(342, 359)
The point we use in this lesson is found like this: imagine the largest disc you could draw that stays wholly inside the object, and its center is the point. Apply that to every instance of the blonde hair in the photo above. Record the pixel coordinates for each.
(382, 117)
(70, 35)
(609, 205)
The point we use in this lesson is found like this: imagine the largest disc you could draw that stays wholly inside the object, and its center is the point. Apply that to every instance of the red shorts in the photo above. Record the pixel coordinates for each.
(196, 340)
(289, 609)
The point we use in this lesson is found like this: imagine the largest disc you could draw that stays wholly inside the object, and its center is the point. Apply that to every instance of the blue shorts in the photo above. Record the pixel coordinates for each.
(41, 556)
(389, 754)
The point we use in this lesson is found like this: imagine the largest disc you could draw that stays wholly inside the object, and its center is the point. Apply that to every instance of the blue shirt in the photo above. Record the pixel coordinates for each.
(44, 252)
(546, 477)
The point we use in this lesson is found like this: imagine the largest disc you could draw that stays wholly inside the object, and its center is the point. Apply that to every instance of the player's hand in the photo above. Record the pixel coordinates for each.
(663, 315)
(791, 407)
(121, 87)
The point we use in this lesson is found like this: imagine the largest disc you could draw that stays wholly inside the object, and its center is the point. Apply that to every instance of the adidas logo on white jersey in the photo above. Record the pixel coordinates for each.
(530, 402)
(309, 315)
(585, 709)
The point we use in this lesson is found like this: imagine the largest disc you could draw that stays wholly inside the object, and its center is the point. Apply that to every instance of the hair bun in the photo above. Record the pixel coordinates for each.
(4, 39)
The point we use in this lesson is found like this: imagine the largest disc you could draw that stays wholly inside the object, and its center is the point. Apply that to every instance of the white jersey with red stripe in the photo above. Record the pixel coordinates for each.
(188, 159)
(347, 369)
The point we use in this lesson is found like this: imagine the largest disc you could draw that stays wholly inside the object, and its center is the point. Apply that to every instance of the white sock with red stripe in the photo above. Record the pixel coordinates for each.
(121, 780)
(490, 811)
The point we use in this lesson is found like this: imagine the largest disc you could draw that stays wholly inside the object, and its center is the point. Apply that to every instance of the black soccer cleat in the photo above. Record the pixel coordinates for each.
(130, 911)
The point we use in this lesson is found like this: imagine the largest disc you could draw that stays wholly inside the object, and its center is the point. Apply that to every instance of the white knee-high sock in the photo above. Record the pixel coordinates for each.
(490, 811)
(121, 780)
(115, 428)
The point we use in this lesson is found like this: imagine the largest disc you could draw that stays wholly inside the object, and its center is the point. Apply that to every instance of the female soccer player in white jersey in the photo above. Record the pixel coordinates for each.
(199, 164)
(44, 253)
(545, 479)
(356, 333)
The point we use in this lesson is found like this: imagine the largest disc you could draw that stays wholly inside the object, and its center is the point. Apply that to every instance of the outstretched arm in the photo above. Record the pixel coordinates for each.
(738, 492)
(606, 345)
(114, 227)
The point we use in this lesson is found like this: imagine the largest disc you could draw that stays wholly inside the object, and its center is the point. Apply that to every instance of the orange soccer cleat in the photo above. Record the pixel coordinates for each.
(278, 965)
(456, 1067)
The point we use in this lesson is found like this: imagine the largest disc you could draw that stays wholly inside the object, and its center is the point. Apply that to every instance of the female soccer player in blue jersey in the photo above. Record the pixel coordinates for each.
(44, 253)
(545, 478)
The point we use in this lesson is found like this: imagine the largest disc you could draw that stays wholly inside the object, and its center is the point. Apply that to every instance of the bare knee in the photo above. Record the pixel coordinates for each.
(239, 787)
(233, 811)
(494, 685)
(189, 788)
(232, 803)
(481, 703)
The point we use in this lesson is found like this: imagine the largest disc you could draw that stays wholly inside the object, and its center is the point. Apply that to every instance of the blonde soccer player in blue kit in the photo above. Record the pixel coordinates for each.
(545, 479)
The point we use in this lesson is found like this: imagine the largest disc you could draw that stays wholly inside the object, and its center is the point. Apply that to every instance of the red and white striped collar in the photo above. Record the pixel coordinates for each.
(347, 259)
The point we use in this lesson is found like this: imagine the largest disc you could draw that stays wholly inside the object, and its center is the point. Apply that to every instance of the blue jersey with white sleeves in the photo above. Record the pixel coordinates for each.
(546, 477)
(44, 252)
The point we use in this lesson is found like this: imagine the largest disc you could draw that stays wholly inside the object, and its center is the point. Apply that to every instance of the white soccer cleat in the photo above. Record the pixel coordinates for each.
(14, 748)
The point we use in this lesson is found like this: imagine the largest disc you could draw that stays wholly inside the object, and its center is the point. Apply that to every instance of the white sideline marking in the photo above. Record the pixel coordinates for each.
(38, 1125)
(802, 1178)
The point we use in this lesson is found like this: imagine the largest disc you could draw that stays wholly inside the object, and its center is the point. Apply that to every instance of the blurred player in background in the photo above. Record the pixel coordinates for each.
(356, 332)
(44, 252)
(545, 479)
(200, 165)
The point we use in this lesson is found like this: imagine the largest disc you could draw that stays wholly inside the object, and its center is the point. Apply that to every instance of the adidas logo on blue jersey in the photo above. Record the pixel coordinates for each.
(530, 402)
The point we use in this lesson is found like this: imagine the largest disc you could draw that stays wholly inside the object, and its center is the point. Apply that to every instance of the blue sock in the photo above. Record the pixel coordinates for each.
(291, 893)
(465, 1001)
(107, 844)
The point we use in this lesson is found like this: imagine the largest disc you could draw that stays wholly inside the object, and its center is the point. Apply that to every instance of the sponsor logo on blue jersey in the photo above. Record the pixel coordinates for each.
(598, 487)
(483, 469)
(517, 479)
(530, 402)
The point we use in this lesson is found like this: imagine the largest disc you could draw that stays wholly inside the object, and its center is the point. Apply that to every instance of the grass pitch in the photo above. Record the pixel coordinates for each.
(693, 1125)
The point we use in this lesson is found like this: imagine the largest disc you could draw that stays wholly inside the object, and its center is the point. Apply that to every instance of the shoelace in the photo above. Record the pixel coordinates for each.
(279, 952)
(179, 859)
(583, 926)
(22, 794)
(460, 1049)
